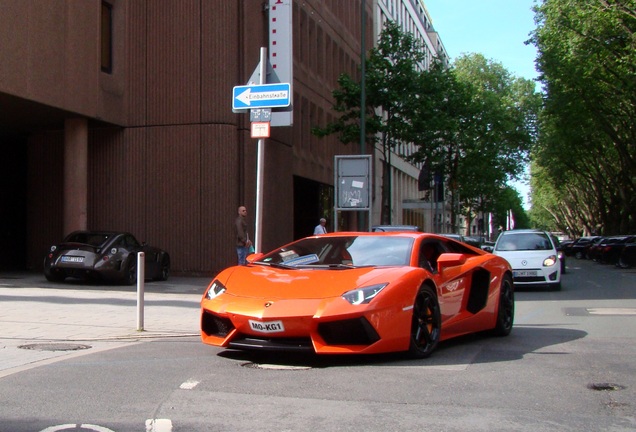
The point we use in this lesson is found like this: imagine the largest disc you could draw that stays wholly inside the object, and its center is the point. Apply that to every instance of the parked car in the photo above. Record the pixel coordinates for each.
(610, 252)
(533, 257)
(359, 293)
(456, 237)
(474, 241)
(565, 244)
(595, 252)
(627, 258)
(469, 240)
(104, 255)
(592, 250)
(578, 248)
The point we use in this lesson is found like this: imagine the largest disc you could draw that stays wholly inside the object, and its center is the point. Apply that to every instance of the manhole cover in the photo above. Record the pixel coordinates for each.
(54, 347)
(605, 387)
(274, 366)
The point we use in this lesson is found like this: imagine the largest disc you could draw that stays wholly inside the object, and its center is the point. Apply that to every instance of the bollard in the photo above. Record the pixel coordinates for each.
(141, 276)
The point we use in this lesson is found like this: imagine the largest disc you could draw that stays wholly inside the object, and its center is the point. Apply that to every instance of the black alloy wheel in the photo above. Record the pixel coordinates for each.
(164, 270)
(623, 263)
(506, 309)
(53, 276)
(426, 324)
(130, 273)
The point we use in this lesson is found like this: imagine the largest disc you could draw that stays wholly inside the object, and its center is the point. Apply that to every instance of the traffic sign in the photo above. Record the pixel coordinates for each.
(260, 130)
(261, 96)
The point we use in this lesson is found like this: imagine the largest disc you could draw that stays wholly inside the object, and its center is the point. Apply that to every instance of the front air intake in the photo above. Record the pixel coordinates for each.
(214, 325)
(355, 331)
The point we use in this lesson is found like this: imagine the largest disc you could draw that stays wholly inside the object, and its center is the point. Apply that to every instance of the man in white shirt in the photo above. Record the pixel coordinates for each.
(320, 228)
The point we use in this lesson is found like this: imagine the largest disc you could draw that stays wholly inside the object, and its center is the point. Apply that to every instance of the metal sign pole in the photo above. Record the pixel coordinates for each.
(258, 233)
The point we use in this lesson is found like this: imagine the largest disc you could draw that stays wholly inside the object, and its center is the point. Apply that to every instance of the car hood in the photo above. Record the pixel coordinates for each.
(528, 259)
(267, 282)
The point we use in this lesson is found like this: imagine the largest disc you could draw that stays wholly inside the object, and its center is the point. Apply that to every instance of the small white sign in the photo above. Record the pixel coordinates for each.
(260, 129)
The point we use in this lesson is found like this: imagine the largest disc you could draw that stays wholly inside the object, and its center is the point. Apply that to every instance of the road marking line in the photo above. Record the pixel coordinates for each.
(189, 385)
(611, 311)
(158, 425)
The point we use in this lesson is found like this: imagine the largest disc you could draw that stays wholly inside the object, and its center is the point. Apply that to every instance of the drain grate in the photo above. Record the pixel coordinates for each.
(54, 347)
(605, 387)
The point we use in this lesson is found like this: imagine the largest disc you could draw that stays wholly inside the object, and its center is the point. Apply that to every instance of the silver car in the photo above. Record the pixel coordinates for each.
(533, 257)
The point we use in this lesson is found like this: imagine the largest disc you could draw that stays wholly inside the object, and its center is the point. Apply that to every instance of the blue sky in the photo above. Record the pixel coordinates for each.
(495, 28)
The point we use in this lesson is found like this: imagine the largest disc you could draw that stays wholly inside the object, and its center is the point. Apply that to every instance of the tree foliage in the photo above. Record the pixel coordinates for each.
(472, 123)
(392, 70)
(585, 160)
(477, 125)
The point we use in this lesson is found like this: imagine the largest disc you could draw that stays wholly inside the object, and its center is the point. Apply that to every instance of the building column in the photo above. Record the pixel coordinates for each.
(75, 174)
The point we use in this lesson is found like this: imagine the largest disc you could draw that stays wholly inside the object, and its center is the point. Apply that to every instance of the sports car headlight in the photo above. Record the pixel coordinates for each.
(550, 261)
(363, 295)
(215, 290)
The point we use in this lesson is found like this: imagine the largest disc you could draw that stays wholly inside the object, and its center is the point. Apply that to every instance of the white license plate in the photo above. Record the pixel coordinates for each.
(72, 259)
(524, 273)
(267, 326)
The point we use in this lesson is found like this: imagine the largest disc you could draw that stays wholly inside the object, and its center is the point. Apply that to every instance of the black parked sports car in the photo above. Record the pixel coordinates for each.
(104, 255)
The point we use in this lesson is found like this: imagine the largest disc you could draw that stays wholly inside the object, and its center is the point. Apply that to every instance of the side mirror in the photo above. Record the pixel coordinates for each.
(253, 257)
(450, 260)
(487, 248)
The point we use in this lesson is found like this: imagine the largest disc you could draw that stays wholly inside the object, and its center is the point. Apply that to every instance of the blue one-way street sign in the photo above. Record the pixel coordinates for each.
(261, 96)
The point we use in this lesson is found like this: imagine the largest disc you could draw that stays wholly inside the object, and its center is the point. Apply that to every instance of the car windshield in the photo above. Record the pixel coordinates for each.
(343, 251)
(93, 239)
(524, 242)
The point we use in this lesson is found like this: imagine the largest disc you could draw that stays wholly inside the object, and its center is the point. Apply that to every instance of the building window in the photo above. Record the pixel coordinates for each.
(107, 38)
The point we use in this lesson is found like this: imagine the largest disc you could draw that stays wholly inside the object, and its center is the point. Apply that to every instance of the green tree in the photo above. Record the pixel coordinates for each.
(508, 204)
(476, 126)
(392, 70)
(587, 145)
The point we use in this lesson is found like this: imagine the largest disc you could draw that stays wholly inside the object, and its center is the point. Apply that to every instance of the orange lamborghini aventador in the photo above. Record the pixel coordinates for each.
(359, 293)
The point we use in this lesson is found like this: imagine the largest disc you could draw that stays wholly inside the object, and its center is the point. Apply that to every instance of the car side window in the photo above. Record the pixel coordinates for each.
(130, 242)
(430, 250)
(458, 248)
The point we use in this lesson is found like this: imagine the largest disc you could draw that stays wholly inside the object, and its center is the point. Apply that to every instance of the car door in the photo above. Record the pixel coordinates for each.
(451, 285)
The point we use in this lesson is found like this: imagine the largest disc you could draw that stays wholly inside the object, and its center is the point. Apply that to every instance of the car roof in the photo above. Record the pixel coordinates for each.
(524, 231)
(382, 228)
(101, 232)
(411, 234)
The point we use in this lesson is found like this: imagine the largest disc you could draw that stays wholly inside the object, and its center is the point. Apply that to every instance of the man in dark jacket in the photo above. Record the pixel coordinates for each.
(243, 241)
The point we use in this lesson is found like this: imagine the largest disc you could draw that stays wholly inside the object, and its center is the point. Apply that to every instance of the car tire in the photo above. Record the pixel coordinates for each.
(55, 276)
(426, 324)
(622, 263)
(164, 268)
(505, 308)
(130, 272)
(578, 255)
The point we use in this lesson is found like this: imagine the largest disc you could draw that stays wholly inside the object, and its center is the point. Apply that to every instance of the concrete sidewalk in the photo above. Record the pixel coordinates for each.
(41, 321)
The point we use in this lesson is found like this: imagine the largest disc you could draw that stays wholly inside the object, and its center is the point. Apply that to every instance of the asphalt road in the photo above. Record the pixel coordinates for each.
(569, 365)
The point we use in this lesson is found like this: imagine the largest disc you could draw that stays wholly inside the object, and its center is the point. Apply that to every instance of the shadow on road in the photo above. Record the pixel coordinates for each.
(454, 353)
